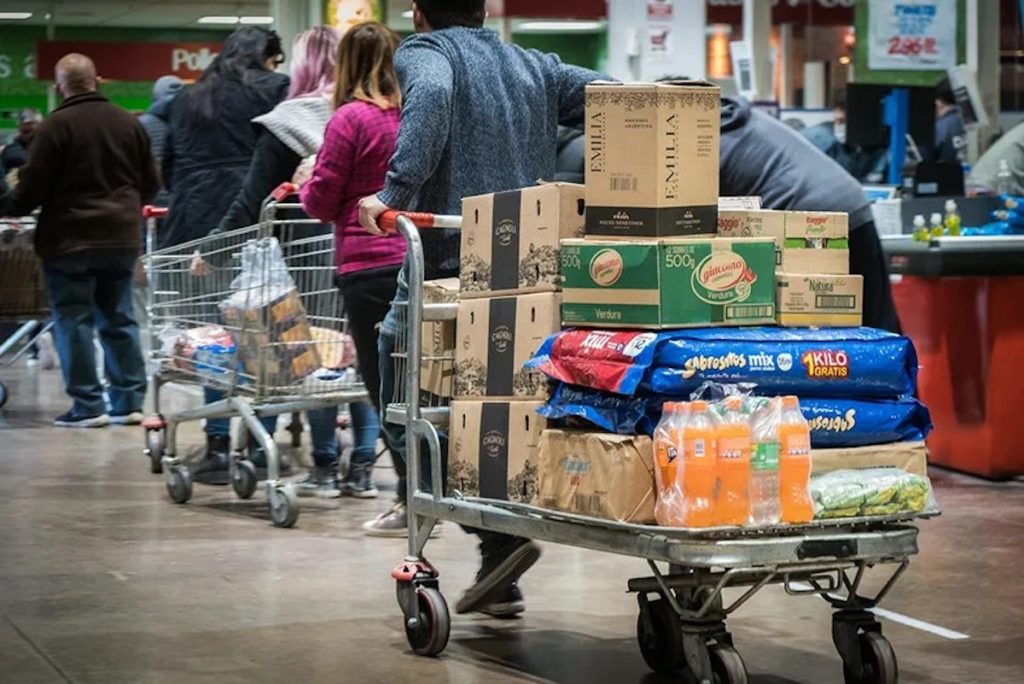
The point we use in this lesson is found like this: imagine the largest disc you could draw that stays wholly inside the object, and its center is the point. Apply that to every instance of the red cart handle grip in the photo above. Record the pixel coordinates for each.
(149, 211)
(284, 190)
(388, 221)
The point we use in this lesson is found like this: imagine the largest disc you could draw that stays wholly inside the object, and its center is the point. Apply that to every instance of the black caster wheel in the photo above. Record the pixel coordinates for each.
(179, 485)
(659, 634)
(244, 479)
(878, 661)
(155, 450)
(283, 505)
(727, 665)
(428, 631)
(3, 394)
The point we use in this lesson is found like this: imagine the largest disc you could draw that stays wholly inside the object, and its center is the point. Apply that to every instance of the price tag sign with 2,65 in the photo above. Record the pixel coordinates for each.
(912, 35)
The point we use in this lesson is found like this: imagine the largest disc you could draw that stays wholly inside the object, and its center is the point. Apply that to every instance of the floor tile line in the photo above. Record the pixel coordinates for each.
(38, 651)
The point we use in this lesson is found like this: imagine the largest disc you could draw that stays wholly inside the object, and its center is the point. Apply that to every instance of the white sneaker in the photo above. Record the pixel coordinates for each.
(133, 418)
(71, 421)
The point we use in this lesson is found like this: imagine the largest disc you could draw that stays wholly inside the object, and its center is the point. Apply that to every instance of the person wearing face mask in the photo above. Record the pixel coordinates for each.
(867, 165)
(90, 169)
(15, 154)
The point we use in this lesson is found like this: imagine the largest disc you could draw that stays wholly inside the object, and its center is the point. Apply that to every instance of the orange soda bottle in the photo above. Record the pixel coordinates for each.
(668, 451)
(732, 506)
(794, 464)
(699, 473)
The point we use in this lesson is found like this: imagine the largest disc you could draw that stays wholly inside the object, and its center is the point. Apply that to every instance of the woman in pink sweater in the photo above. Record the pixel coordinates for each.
(352, 163)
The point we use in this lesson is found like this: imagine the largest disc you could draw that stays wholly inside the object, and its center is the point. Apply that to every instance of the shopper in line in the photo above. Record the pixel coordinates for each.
(359, 142)
(15, 154)
(90, 169)
(762, 156)
(950, 135)
(867, 165)
(1010, 149)
(210, 143)
(478, 116)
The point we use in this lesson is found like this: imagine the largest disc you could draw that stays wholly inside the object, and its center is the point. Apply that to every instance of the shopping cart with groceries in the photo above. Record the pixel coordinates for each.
(252, 313)
(23, 300)
(682, 602)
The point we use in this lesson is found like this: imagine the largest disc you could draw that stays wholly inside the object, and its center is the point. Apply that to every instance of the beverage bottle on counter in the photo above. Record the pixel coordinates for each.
(952, 220)
(700, 467)
(794, 464)
(764, 463)
(668, 451)
(937, 230)
(1004, 179)
(732, 505)
(920, 229)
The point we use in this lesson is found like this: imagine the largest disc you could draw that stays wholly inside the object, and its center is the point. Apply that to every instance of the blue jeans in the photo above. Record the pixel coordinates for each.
(365, 429)
(221, 427)
(91, 292)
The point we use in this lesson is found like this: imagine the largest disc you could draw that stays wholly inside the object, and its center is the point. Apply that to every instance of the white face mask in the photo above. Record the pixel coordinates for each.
(839, 130)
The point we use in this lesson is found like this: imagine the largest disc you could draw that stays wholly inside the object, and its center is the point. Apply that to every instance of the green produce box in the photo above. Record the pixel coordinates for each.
(668, 283)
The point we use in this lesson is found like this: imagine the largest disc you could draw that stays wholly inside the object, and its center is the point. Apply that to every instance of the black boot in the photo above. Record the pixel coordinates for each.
(214, 467)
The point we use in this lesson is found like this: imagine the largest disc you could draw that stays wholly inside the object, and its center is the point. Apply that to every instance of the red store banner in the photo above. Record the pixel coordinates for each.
(807, 12)
(130, 61)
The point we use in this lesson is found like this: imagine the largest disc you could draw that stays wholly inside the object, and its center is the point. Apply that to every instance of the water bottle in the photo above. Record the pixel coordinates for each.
(765, 506)
(1004, 179)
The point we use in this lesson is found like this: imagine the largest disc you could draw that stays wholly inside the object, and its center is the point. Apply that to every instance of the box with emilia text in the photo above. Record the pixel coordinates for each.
(652, 158)
(668, 283)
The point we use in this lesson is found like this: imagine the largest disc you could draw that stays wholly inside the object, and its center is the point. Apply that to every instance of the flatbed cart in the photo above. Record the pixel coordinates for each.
(267, 293)
(682, 610)
(22, 291)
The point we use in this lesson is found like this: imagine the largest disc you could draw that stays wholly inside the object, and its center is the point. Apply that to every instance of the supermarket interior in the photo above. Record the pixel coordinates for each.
(561, 341)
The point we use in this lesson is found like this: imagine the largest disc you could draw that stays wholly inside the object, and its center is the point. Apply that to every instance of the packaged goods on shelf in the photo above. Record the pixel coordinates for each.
(494, 449)
(870, 492)
(837, 362)
(495, 338)
(807, 241)
(652, 158)
(820, 300)
(598, 475)
(438, 340)
(668, 283)
(910, 457)
(510, 240)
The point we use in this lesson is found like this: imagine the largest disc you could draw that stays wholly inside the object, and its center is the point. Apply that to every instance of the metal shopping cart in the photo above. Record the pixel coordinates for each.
(682, 607)
(22, 290)
(254, 314)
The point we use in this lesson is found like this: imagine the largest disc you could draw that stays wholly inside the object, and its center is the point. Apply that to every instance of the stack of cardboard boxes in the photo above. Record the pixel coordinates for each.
(509, 302)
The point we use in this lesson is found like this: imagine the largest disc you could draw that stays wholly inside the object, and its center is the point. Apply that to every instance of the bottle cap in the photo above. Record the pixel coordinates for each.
(919, 220)
(698, 406)
(734, 403)
(950, 205)
(936, 217)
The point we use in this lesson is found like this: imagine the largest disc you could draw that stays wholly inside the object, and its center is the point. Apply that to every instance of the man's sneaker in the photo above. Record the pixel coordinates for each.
(132, 418)
(507, 607)
(500, 569)
(322, 482)
(392, 523)
(214, 467)
(359, 482)
(70, 420)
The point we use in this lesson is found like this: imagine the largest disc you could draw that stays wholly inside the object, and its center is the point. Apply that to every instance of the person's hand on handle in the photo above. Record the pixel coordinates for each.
(304, 171)
(199, 267)
(370, 209)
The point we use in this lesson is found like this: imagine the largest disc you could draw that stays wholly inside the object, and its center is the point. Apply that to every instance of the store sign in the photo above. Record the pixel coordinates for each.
(131, 61)
(806, 12)
(912, 35)
(659, 10)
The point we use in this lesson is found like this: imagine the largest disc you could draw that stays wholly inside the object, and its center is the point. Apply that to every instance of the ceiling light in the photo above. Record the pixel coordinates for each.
(218, 20)
(562, 26)
(256, 20)
(15, 15)
(407, 14)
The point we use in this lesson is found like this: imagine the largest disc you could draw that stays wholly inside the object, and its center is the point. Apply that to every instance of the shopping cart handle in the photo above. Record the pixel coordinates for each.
(388, 221)
(284, 190)
(149, 211)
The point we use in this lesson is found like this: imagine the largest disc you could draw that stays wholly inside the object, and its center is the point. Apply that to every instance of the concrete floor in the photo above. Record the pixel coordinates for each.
(103, 580)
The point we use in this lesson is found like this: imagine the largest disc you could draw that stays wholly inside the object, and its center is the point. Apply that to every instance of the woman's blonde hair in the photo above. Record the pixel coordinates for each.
(366, 67)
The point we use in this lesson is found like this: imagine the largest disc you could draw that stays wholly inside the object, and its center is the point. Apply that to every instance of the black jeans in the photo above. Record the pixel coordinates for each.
(867, 259)
(367, 299)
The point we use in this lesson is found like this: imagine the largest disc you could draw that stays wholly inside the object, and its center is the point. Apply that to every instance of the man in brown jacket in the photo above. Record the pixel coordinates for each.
(90, 169)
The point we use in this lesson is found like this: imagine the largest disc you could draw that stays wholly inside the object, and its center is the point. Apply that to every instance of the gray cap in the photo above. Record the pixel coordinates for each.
(29, 115)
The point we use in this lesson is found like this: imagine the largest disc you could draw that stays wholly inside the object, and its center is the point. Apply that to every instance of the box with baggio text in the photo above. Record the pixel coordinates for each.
(652, 158)
(493, 449)
(598, 474)
(668, 283)
(820, 300)
(808, 241)
(495, 337)
(510, 239)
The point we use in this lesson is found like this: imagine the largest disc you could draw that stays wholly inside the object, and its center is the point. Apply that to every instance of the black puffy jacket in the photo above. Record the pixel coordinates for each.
(205, 160)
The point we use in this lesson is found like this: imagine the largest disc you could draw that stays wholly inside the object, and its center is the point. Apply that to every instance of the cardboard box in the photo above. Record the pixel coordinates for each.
(438, 340)
(652, 158)
(808, 242)
(494, 446)
(496, 337)
(668, 283)
(909, 456)
(820, 300)
(527, 223)
(598, 474)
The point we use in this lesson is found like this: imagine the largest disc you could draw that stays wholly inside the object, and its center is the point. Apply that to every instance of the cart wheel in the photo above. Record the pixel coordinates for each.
(3, 394)
(878, 661)
(179, 485)
(429, 636)
(155, 450)
(284, 506)
(244, 479)
(661, 645)
(727, 665)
